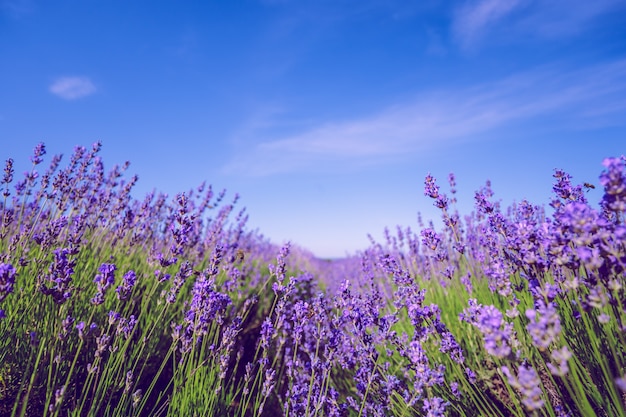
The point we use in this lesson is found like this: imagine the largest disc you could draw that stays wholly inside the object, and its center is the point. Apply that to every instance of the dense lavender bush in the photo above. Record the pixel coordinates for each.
(117, 306)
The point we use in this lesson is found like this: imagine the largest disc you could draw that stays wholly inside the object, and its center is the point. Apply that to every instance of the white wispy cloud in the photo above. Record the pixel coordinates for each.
(72, 88)
(478, 21)
(586, 97)
(473, 19)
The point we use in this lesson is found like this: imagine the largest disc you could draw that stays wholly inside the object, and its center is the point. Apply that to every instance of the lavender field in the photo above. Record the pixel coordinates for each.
(170, 306)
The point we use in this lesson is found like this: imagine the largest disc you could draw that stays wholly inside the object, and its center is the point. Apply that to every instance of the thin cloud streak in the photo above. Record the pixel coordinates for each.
(473, 21)
(72, 88)
(594, 96)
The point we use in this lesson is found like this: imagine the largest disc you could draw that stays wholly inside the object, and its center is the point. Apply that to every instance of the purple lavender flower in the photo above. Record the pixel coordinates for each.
(103, 281)
(482, 204)
(184, 272)
(431, 190)
(7, 280)
(164, 262)
(114, 317)
(128, 282)
(435, 407)
(128, 385)
(454, 388)
(60, 273)
(528, 384)
(34, 339)
(39, 151)
(471, 375)
(81, 329)
(499, 274)
(137, 397)
(430, 239)
(125, 326)
(545, 324)
(267, 331)
(7, 177)
(449, 345)
(497, 334)
(565, 190)
(58, 398)
(207, 305)
(614, 181)
(560, 357)
(102, 343)
(66, 326)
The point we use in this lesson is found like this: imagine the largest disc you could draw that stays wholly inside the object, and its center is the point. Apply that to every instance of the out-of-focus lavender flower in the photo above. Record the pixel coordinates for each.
(58, 398)
(267, 332)
(81, 329)
(114, 317)
(565, 190)
(184, 272)
(528, 384)
(454, 388)
(176, 331)
(103, 281)
(125, 326)
(499, 274)
(102, 343)
(281, 262)
(34, 340)
(268, 383)
(621, 383)
(482, 204)
(228, 344)
(449, 345)
(38, 152)
(66, 326)
(614, 181)
(48, 237)
(452, 182)
(597, 297)
(7, 177)
(430, 239)
(471, 375)
(137, 397)
(590, 257)
(182, 229)
(545, 324)
(162, 276)
(604, 318)
(60, 273)
(7, 280)
(431, 189)
(560, 358)
(128, 282)
(207, 305)
(467, 282)
(128, 384)
(497, 334)
(435, 407)
(165, 262)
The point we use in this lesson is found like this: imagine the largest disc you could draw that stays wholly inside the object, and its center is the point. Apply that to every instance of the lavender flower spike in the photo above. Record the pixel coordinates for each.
(7, 280)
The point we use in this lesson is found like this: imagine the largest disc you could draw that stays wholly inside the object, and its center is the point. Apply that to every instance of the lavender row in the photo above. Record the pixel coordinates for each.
(111, 306)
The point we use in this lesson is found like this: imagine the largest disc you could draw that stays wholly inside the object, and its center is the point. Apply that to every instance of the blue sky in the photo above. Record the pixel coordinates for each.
(325, 116)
